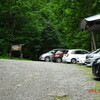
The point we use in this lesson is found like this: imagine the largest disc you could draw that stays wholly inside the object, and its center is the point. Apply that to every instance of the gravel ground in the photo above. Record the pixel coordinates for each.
(31, 80)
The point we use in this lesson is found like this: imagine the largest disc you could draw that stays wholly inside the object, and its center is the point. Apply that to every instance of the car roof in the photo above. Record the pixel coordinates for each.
(70, 49)
(60, 49)
(67, 49)
(76, 49)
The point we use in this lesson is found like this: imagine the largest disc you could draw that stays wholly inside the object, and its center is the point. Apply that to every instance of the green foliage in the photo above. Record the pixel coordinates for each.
(42, 25)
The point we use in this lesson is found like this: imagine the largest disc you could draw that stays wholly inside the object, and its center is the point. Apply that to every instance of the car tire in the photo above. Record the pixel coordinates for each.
(58, 60)
(73, 61)
(47, 59)
(96, 69)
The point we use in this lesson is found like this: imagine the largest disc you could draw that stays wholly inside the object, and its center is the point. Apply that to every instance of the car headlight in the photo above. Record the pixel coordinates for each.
(42, 55)
(91, 57)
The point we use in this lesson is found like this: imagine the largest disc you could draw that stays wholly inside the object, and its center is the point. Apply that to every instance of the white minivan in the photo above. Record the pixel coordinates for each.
(71, 55)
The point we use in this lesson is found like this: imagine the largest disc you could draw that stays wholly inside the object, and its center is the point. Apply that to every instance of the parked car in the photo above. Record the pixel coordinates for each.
(72, 55)
(81, 59)
(57, 57)
(93, 52)
(90, 58)
(96, 68)
(48, 56)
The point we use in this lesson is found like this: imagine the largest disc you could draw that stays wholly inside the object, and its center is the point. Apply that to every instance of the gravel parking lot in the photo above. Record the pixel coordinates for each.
(34, 80)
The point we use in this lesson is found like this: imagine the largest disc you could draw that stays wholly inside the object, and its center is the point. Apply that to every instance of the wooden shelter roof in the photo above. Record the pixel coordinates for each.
(91, 23)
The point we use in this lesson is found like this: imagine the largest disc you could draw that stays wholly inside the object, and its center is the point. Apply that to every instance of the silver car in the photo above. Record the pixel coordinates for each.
(47, 56)
(90, 58)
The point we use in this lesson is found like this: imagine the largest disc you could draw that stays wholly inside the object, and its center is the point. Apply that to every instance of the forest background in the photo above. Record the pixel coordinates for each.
(42, 25)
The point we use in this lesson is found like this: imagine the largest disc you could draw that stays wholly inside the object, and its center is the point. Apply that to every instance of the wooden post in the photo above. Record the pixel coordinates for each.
(91, 44)
(93, 41)
(10, 51)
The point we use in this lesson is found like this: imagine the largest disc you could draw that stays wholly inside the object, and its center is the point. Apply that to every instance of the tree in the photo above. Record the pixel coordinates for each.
(42, 25)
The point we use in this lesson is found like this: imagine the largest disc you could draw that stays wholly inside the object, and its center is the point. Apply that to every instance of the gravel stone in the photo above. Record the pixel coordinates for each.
(34, 80)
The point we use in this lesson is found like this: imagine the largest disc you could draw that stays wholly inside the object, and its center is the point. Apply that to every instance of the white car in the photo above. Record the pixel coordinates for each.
(90, 59)
(81, 59)
(71, 55)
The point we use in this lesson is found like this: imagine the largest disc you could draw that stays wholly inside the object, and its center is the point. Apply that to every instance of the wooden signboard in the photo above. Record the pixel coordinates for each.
(16, 48)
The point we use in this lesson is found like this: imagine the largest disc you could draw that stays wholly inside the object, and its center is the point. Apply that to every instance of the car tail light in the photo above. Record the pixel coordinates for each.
(67, 55)
(57, 55)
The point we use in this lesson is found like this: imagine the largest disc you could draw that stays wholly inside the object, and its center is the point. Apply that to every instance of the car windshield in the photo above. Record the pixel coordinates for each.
(97, 51)
(52, 51)
(94, 52)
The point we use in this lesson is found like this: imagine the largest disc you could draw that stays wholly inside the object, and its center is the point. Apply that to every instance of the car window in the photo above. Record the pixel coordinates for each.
(76, 52)
(53, 51)
(66, 51)
(73, 52)
(84, 52)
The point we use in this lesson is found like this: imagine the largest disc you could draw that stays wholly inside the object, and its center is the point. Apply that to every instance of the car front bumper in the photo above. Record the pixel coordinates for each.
(41, 58)
(89, 62)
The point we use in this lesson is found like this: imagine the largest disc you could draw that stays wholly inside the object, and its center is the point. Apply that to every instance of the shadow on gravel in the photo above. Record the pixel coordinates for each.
(96, 79)
(66, 63)
(88, 66)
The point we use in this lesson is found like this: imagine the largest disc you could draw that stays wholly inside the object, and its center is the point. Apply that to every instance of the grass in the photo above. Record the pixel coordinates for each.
(5, 57)
(96, 81)
(59, 97)
(88, 71)
(96, 98)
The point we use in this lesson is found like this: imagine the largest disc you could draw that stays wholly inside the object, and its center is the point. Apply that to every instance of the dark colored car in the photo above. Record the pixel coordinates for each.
(96, 68)
(57, 56)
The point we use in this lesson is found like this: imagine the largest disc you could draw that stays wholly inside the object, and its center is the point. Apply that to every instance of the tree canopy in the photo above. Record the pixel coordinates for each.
(42, 25)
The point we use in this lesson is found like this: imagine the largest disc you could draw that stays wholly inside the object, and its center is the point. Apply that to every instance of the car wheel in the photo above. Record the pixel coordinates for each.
(96, 69)
(58, 60)
(73, 61)
(47, 59)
